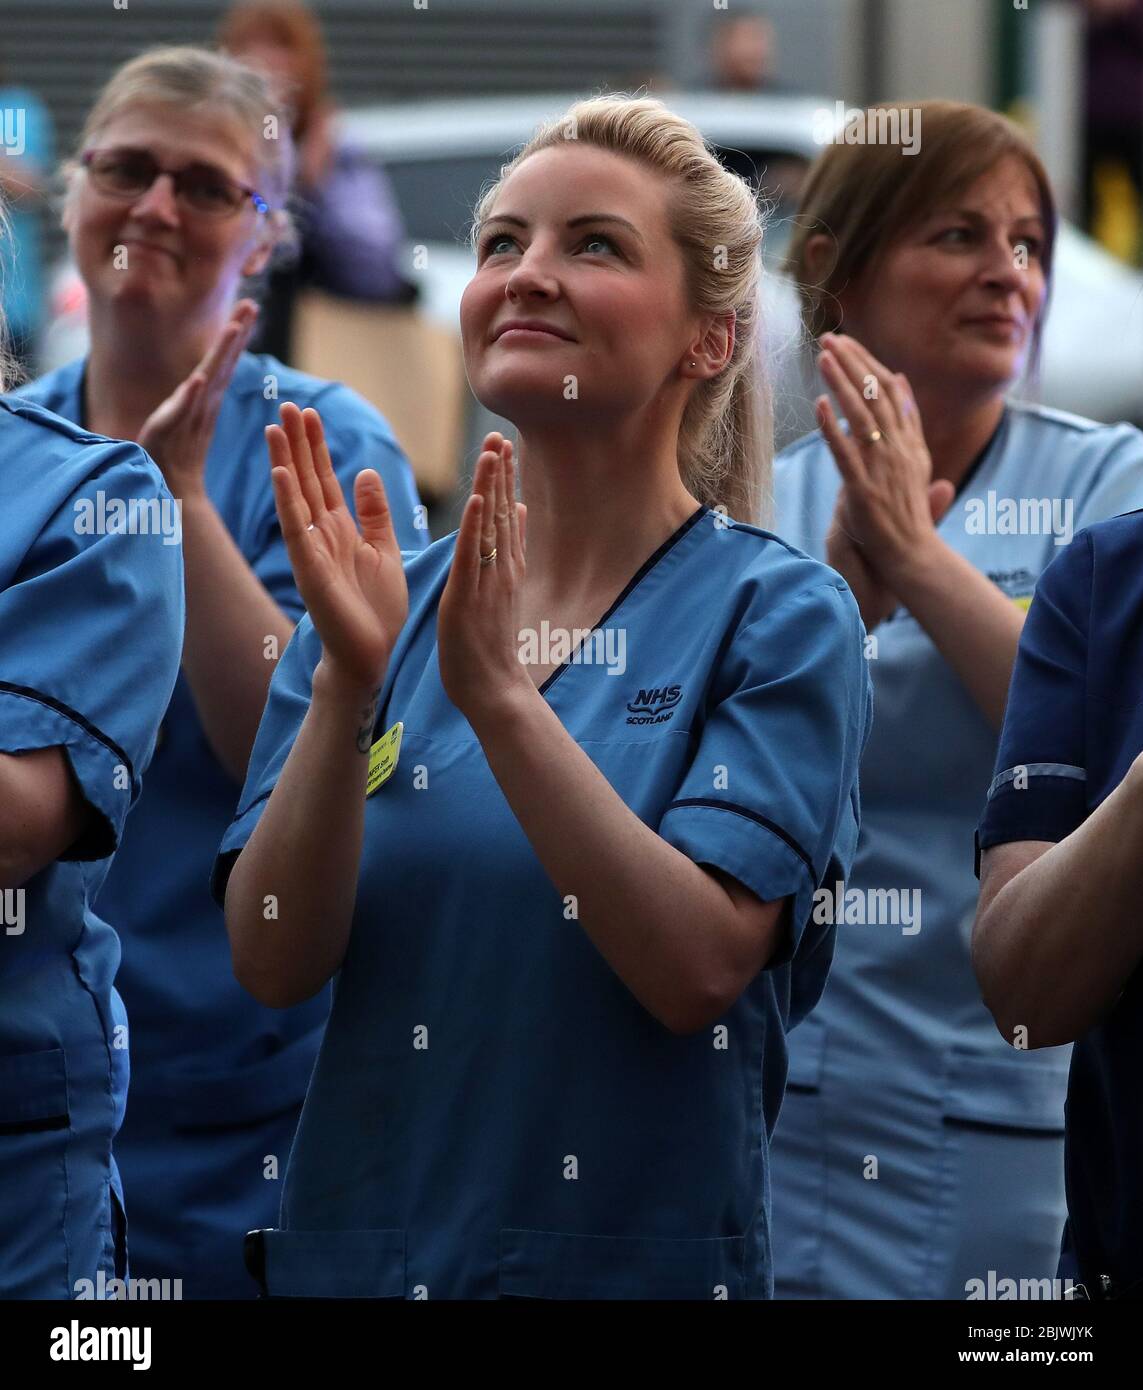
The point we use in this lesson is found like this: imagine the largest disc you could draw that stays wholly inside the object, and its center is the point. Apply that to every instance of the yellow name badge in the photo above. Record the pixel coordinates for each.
(383, 758)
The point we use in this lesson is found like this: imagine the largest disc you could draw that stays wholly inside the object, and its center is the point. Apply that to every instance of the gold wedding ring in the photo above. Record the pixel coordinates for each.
(488, 559)
(873, 437)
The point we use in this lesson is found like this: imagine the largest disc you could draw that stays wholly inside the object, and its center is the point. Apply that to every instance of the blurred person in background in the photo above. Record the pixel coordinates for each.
(742, 53)
(742, 62)
(25, 160)
(915, 1150)
(349, 227)
(175, 199)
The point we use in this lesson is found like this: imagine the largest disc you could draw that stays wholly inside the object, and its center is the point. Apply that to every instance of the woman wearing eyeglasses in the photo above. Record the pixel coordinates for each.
(175, 199)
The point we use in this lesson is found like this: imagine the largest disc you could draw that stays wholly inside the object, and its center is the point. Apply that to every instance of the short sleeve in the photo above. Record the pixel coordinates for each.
(358, 438)
(771, 796)
(1118, 485)
(91, 629)
(1039, 788)
(286, 705)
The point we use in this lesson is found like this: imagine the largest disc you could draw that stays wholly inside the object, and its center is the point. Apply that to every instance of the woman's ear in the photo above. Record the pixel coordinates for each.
(819, 251)
(260, 254)
(818, 260)
(716, 346)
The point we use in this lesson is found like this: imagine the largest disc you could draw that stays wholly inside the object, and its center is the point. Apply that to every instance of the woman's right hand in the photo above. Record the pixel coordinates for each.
(846, 555)
(352, 581)
(843, 553)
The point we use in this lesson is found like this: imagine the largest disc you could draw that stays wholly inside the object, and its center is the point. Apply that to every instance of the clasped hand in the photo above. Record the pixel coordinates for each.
(888, 505)
(352, 581)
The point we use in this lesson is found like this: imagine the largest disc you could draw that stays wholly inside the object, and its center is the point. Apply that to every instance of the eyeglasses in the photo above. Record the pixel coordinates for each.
(128, 174)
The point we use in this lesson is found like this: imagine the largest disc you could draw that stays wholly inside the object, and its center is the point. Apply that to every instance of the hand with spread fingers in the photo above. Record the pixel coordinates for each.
(179, 432)
(478, 619)
(890, 504)
(351, 580)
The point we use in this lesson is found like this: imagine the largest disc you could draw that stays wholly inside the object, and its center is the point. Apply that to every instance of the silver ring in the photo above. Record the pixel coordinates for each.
(488, 559)
(310, 527)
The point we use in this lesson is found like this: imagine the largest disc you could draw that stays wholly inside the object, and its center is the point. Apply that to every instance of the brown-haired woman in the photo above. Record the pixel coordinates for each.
(917, 1150)
(569, 908)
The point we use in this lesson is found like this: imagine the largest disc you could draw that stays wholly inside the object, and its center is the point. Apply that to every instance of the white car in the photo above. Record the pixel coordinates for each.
(440, 154)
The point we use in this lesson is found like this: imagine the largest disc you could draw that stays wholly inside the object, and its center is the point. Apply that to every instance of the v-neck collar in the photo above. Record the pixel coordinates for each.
(640, 574)
(974, 467)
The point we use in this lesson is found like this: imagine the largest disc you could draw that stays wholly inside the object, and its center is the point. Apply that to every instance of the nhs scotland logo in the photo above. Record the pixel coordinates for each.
(654, 706)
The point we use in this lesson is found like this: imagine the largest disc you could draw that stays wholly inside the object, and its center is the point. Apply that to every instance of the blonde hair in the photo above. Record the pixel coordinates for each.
(725, 439)
(199, 78)
(9, 370)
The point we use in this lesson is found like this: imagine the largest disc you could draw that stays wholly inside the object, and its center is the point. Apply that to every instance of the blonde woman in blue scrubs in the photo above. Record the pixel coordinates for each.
(567, 902)
(916, 1150)
(176, 198)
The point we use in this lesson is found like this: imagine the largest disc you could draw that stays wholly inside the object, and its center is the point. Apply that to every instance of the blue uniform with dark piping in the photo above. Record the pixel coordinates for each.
(91, 626)
(493, 1113)
(218, 1080)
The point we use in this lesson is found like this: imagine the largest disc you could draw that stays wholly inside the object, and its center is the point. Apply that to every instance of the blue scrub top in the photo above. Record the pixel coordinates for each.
(902, 1013)
(493, 1112)
(1073, 726)
(207, 1057)
(91, 624)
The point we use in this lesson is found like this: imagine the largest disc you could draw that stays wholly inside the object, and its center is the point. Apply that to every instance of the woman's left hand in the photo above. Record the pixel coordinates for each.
(178, 434)
(478, 617)
(892, 501)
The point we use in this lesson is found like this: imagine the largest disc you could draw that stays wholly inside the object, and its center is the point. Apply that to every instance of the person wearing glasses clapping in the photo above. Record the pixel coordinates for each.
(176, 198)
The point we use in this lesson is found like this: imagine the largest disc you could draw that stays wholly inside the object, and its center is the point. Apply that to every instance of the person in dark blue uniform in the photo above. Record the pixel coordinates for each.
(91, 621)
(175, 199)
(1058, 939)
(562, 865)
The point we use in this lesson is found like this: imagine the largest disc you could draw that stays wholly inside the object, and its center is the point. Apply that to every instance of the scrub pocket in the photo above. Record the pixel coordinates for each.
(798, 1169)
(115, 1260)
(1001, 1203)
(549, 1264)
(34, 1135)
(245, 1096)
(328, 1264)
